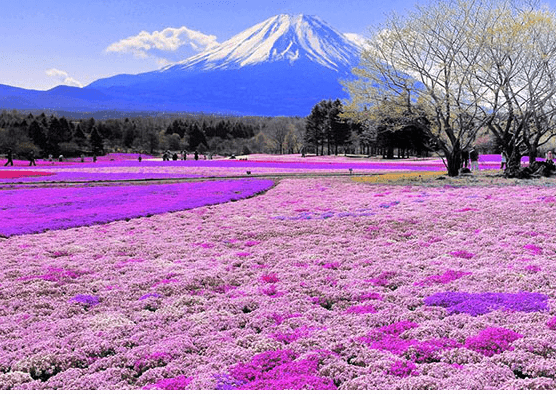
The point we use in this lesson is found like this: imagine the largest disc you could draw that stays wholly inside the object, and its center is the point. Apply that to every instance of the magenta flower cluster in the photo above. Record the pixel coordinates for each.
(280, 370)
(388, 338)
(492, 340)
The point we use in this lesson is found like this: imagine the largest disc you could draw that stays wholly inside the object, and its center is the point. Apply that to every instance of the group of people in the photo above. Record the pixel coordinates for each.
(167, 155)
(32, 161)
(549, 158)
(10, 157)
(470, 156)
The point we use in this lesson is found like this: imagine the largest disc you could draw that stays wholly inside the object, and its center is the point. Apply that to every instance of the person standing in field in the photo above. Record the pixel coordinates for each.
(465, 159)
(549, 157)
(503, 160)
(32, 159)
(474, 158)
(10, 158)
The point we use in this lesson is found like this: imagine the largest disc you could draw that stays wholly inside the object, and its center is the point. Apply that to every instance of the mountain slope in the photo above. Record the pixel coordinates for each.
(282, 66)
(280, 38)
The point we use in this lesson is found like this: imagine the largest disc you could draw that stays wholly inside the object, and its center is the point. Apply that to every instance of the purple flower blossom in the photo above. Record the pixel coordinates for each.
(88, 300)
(369, 296)
(382, 279)
(149, 295)
(398, 328)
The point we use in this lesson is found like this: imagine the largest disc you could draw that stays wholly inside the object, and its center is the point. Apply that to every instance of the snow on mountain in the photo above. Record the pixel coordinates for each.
(282, 66)
(288, 38)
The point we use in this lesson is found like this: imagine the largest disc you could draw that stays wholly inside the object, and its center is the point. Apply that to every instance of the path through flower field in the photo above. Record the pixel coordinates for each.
(319, 283)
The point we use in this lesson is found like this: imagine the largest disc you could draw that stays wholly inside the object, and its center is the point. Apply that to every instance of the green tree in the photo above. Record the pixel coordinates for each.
(96, 141)
(37, 135)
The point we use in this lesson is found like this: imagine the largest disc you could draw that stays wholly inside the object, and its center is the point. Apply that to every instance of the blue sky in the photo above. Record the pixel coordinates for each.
(50, 42)
(46, 43)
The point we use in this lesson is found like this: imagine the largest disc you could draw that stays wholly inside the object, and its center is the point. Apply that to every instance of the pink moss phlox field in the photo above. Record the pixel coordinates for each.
(226, 296)
(39, 209)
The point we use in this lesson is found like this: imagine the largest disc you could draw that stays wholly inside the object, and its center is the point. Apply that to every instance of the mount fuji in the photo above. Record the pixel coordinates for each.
(282, 66)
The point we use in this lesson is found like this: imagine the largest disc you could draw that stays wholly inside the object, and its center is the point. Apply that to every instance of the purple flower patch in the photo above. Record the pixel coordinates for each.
(533, 268)
(482, 303)
(88, 300)
(398, 328)
(150, 295)
(39, 209)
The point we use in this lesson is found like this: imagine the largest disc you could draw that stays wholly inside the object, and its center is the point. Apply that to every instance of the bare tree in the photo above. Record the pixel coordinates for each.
(441, 57)
(519, 78)
(278, 132)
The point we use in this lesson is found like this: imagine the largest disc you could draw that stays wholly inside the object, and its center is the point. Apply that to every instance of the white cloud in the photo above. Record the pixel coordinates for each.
(145, 44)
(63, 78)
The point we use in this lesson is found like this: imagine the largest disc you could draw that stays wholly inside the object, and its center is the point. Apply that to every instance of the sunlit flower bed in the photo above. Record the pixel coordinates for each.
(318, 283)
(400, 177)
(131, 169)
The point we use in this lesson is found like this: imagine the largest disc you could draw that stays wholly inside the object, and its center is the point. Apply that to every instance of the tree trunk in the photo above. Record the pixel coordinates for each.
(513, 166)
(390, 153)
(453, 162)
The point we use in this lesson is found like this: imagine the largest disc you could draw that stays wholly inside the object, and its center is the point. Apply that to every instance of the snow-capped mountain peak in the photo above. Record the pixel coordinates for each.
(288, 38)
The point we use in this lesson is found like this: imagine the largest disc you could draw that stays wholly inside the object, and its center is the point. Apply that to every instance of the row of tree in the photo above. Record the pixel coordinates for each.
(457, 67)
(328, 127)
(218, 134)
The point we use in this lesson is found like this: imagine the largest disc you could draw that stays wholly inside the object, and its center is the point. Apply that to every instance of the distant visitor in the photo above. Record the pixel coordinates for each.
(10, 161)
(32, 158)
(474, 158)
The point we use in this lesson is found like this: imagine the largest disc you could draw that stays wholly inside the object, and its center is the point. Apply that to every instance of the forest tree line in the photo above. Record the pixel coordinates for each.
(225, 135)
(324, 131)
